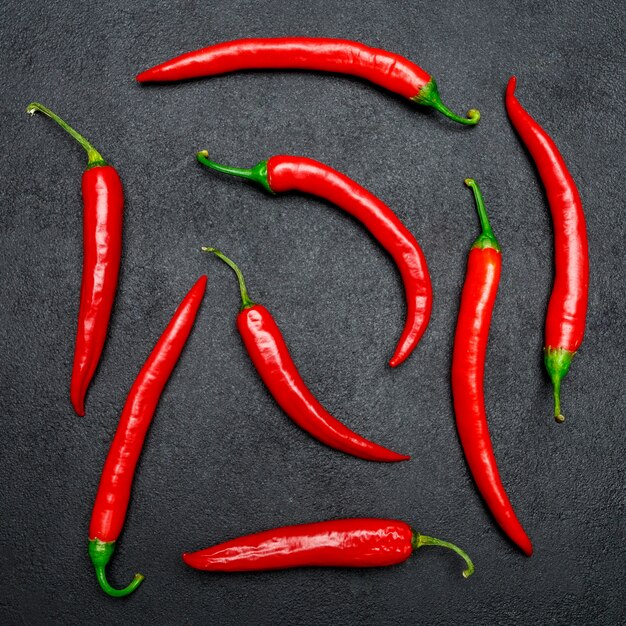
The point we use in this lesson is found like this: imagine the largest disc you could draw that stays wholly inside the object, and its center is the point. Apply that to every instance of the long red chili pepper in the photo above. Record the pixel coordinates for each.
(468, 369)
(288, 173)
(385, 69)
(103, 199)
(361, 542)
(109, 511)
(567, 309)
(268, 351)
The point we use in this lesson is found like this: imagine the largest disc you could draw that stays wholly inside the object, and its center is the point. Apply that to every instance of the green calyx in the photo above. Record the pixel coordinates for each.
(94, 157)
(486, 239)
(257, 174)
(418, 541)
(100, 553)
(557, 362)
(246, 302)
(429, 96)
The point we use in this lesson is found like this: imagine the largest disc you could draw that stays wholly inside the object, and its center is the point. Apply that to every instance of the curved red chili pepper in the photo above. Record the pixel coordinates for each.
(567, 309)
(109, 511)
(288, 173)
(468, 369)
(385, 69)
(103, 199)
(364, 542)
(270, 356)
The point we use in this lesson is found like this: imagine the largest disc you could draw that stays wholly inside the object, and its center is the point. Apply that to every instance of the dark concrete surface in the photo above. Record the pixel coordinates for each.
(221, 459)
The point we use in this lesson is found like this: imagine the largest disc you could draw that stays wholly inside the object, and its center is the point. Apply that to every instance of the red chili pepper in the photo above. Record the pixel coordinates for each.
(268, 351)
(362, 542)
(113, 495)
(385, 69)
(567, 309)
(287, 173)
(103, 199)
(468, 369)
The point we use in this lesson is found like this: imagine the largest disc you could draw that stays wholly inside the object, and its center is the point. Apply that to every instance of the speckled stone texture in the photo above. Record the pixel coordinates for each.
(221, 459)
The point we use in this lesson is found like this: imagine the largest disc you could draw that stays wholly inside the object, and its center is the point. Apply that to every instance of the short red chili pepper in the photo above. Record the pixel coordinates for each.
(361, 542)
(468, 369)
(270, 356)
(567, 309)
(109, 511)
(385, 69)
(289, 173)
(103, 199)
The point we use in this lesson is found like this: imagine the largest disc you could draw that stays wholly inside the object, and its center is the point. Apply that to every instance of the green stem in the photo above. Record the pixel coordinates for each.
(246, 302)
(557, 362)
(95, 158)
(486, 239)
(417, 541)
(100, 553)
(429, 96)
(556, 392)
(257, 174)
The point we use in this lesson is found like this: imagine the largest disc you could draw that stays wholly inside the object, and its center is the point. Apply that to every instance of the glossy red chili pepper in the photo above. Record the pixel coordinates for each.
(103, 199)
(362, 542)
(288, 173)
(385, 69)
(268, 351)
(567, 309)
(468, 369)
(109, 511)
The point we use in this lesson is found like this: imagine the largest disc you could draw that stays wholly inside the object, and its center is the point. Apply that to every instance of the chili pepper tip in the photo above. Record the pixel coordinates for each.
(79, 406)
(510, 87)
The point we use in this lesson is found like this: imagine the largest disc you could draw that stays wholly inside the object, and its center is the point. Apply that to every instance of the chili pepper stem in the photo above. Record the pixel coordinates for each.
(94, 157)
(418, 540)
(100, 553)
(486, 239)
(429, 96)
(557, 361)
(246, 302)
(257, 174)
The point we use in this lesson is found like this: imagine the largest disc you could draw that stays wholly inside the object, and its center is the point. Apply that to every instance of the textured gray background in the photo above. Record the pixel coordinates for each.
(221, 459)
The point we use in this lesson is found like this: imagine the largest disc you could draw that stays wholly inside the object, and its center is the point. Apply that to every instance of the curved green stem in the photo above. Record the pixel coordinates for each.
(95, 158)
(257, 174)
(246, 302)
(417, 541)
(100, 553)
(429, 96)
(486, 239)
(557, 362)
